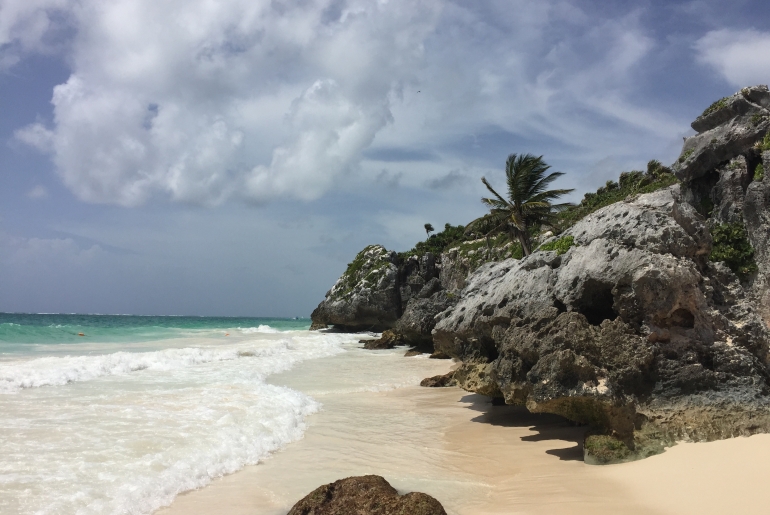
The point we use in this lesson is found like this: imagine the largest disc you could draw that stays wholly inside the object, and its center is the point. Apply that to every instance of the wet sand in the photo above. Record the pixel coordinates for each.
(481, 459)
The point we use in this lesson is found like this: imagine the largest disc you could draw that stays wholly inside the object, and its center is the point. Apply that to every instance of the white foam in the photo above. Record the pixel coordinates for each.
(265, 329)
(115, 441)
(57, 371)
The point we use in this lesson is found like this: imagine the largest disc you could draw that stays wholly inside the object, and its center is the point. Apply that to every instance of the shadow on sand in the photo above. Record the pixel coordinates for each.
(543, 425)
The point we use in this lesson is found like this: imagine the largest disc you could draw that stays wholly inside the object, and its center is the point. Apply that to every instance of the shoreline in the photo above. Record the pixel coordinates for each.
(476, 458)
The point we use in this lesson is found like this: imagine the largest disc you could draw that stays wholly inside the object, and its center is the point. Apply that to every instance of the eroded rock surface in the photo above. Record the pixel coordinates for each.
(734, 126)
(416, 324)
(632, 330)
(365, 495)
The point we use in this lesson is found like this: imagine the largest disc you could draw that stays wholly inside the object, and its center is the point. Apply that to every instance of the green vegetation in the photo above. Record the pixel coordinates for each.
(486, 239)
(368, 267)
(759, 172)
(480, 251)
(606, 449)
(429, 229)
(686, 155)
(560, 245)
(731, 245)
(529, 201)
(765, 143)
(629, 183)
(757, 118)
(716, 106)
(436, 243)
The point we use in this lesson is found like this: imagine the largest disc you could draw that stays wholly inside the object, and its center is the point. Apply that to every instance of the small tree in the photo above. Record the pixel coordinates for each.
(529, 201)
(429, 229)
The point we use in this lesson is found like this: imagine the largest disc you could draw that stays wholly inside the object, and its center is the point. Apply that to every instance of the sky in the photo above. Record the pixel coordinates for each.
(193, 157)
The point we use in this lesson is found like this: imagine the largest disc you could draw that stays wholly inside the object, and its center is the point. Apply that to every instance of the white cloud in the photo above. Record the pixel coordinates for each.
(37, 136)
(200, 102)
(38, 192)
(742, 57)
(28, 26)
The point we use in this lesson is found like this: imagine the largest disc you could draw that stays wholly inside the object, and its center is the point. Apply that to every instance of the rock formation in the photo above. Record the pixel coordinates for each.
(643, 325)
(366, 297)
(632, 330)
(365, 495)
(377, 292)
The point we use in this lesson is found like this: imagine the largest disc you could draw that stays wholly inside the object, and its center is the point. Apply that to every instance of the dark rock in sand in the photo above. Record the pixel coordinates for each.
(388, 340)
(365, 495)
(439, 381)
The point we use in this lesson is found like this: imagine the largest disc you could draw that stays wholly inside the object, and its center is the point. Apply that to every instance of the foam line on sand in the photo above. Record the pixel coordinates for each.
(480, 459)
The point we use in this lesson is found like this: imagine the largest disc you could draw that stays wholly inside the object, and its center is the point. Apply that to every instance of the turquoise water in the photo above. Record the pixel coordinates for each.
(22, 333)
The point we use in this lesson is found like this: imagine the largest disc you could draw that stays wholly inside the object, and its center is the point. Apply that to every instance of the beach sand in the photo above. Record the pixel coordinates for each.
(478, 459)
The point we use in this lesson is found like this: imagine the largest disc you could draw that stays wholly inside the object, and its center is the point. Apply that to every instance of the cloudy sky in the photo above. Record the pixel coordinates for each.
(230, 157)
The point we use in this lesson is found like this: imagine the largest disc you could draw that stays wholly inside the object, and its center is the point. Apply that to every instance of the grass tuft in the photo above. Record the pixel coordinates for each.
(560, 245)
(731, 245)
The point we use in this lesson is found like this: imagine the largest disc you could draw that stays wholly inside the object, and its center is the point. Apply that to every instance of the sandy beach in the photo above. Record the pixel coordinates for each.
(481, 459)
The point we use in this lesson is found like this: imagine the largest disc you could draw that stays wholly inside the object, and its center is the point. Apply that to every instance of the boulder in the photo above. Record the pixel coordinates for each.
(366, 296)
(441, 381)
(388, 340)
(365, 495)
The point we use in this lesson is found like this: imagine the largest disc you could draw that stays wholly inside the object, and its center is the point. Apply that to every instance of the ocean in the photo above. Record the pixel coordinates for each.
(106, 414)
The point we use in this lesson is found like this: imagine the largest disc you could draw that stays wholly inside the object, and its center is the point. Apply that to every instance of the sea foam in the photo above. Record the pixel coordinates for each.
(131, 431)
(58, 371)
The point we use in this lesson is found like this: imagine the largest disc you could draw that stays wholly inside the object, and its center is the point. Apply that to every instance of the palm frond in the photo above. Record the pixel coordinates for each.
(492, 190)
(529, 200)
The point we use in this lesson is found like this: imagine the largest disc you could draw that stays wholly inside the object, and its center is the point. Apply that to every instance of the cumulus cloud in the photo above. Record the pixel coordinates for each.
(30, 26)
(742, 57)
(200, 102)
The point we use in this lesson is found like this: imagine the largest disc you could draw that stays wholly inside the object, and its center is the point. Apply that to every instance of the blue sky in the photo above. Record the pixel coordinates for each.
(230, 158)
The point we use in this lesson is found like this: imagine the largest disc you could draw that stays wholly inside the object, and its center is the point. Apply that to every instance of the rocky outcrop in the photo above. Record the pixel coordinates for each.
(365, 297)
(728, 129)
(379, 292)
(416, 324)
(633, 330)
(365, 495)
(631, 327)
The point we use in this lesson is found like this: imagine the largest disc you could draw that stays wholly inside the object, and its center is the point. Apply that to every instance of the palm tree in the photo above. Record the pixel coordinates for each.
(429, 229)
(529, 200)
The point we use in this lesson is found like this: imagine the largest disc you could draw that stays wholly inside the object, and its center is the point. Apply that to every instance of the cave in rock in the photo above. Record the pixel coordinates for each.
(596, 302)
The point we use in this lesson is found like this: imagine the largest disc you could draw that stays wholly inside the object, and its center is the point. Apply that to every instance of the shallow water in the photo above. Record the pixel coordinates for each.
(122, 424)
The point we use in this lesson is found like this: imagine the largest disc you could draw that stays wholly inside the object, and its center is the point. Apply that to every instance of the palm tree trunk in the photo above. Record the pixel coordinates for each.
(525, 246)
